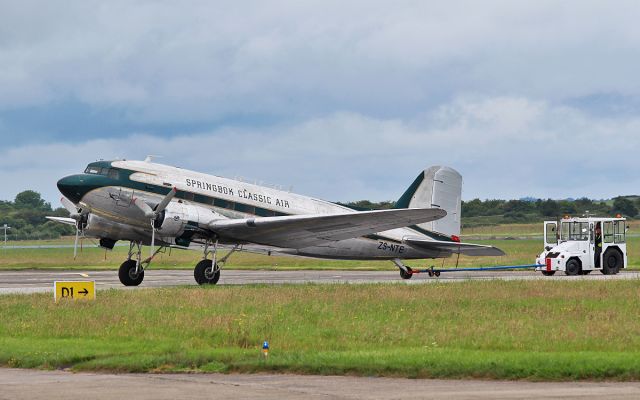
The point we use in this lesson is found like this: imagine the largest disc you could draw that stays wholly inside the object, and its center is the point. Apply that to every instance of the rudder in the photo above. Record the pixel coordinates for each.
(436, 187)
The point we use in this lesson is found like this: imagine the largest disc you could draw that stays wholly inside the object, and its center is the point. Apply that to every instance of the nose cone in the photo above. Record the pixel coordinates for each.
(72, 187)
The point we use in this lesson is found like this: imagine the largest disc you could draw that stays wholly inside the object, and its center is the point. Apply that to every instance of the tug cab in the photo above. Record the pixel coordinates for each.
(580, 245)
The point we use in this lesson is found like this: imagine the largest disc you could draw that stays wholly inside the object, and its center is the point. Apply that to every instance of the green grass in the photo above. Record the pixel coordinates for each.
(543, 330)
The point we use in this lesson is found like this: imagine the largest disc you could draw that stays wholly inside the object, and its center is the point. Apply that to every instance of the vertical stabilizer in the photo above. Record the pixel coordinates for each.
(437, 187)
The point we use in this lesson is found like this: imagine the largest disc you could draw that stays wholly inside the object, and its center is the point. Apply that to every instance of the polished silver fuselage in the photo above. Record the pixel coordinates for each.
(205, 198)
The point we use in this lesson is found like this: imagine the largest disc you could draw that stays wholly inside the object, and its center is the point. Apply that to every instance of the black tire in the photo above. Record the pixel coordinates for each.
(204, 275)
(548, 273)
(127, 274)
(406, 274)
(583, 272)
(572, 268)
(611, 262)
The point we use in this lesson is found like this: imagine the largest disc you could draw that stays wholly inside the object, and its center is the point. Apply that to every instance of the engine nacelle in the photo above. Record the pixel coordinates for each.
(173, 220)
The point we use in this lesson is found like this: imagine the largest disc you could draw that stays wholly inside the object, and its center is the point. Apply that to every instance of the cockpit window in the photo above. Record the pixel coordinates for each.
(110, 172)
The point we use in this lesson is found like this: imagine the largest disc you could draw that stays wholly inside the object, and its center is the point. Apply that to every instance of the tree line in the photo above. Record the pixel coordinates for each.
(26, 217)
(478, 212)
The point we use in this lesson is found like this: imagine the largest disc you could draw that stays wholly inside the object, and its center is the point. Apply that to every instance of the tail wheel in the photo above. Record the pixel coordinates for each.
(406, 274)
(127, 273)
(204, 273)
(612, 262)
(572, 267)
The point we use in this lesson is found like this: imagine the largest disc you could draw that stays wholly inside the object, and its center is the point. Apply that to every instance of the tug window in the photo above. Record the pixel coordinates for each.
(608, 232)
(574, 231)
(619, 229)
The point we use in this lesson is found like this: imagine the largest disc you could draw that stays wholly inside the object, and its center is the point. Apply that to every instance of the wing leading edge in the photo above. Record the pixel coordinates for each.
(299, 231)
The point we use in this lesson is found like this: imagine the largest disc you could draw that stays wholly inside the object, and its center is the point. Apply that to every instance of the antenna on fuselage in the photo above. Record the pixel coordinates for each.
(150, 158)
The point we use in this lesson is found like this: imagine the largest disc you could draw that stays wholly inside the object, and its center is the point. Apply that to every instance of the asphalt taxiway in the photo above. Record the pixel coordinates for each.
(29, 384)
(33, 281)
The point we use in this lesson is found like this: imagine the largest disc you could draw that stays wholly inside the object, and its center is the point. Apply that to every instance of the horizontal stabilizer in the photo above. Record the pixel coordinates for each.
(63, 220)
(468, 249)
(299, 231)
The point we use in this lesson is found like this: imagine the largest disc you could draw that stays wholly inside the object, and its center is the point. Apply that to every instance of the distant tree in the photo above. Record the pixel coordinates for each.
(517, 206)
(567, 207)
(624, 206)
(549, 208)
(31, 199)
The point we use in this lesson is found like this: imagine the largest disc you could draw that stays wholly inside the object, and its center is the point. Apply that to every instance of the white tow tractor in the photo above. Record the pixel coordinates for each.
(578, 246)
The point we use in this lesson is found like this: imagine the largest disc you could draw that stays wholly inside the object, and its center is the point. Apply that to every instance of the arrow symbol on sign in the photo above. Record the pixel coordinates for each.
(84, 292)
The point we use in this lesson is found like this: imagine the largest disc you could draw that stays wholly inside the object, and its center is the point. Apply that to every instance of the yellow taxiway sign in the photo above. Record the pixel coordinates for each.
(74, 290)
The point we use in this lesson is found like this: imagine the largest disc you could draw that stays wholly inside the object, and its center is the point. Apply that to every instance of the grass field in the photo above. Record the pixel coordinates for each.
(543, 330)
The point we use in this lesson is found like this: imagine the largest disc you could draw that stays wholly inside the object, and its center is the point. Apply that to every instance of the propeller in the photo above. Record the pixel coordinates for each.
(80, 215)
(154, 213)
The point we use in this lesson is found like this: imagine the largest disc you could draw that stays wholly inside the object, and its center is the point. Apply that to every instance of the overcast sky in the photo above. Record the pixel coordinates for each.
(341, 100)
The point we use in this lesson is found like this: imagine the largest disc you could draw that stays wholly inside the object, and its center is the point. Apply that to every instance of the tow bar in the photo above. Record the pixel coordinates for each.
(436, 271)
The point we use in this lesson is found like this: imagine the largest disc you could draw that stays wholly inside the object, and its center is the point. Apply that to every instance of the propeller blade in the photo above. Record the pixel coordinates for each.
(144, 207)
(68, 204)
(75, 244)
(153, 238)
(73, 210)
(165, 202)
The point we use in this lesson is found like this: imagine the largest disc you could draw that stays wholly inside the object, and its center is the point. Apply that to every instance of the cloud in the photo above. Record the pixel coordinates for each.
(505, 147)
(166, 62)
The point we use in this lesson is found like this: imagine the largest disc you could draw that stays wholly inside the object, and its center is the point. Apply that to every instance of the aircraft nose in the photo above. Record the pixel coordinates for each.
(71, 187)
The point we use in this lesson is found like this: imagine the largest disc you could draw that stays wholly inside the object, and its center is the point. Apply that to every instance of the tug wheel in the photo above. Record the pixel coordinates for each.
(572, 267)
(612, 261)
(548, 273)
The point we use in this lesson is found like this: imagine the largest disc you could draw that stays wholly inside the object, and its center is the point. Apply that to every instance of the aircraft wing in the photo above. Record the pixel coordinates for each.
(468, 249)
(298, 231)
(62, 220)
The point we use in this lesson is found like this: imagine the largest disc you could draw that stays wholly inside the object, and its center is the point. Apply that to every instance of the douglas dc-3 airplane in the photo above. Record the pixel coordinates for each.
(146, 203)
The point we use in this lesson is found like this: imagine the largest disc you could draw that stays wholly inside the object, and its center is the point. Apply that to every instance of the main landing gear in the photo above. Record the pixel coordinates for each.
(207, 272)
(131, 272)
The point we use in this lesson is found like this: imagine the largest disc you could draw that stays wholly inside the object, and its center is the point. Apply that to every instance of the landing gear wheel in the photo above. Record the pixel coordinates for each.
(204, 275)
(572, 268)
(548, 273)
(612, 262)
(406, 274)
(436, 273)
(127, 274)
